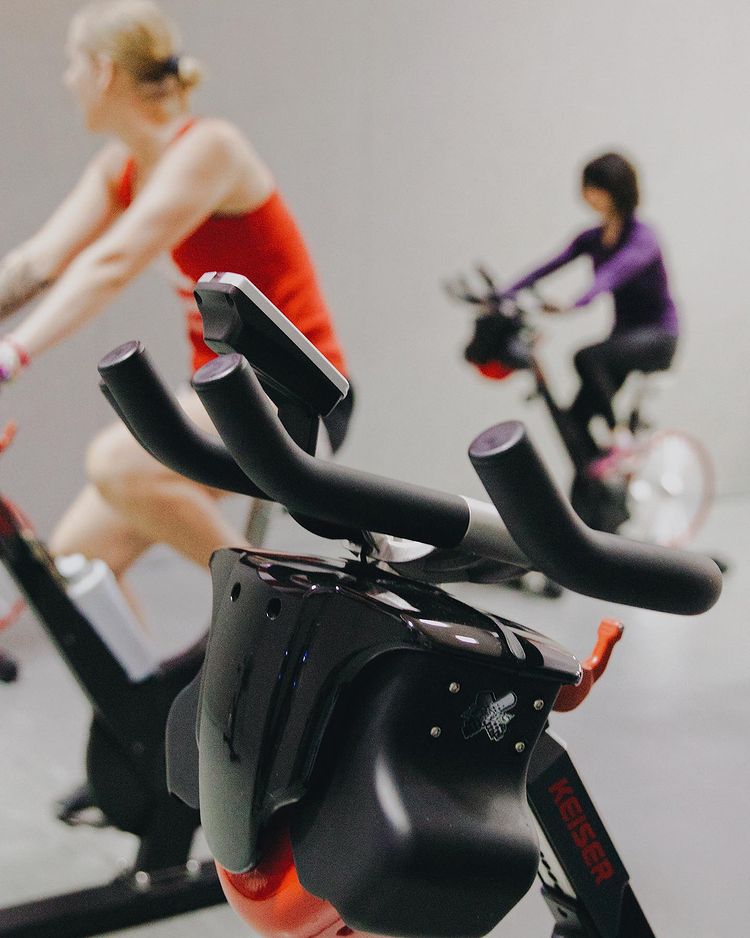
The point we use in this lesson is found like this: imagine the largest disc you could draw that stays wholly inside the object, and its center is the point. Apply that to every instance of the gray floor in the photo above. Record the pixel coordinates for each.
(662, 745)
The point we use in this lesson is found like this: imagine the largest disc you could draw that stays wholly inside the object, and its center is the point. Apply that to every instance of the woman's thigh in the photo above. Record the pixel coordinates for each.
(191, 404)
(115, 459)
(637, 350)
(645, 349)
(122, 477)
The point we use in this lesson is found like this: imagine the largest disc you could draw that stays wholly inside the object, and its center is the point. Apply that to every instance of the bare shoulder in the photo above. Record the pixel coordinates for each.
(220, 137)
(109, 160)
(222, 146)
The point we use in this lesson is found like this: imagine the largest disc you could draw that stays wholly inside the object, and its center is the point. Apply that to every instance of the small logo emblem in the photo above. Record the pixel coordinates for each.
(489, 714)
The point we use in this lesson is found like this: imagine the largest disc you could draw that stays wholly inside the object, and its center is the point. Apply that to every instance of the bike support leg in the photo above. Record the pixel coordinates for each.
(167, 841)
(584, 881)
(128, 901)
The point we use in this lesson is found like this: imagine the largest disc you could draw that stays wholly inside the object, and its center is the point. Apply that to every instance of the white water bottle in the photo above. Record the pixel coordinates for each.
(94, 590)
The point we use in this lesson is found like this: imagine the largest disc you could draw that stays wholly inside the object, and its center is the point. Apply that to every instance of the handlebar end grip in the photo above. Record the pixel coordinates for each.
(119, 355)
(217, 369)
(498, 439)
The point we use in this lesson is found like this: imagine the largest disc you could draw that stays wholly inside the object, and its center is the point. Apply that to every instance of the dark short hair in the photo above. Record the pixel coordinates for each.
(617, 176)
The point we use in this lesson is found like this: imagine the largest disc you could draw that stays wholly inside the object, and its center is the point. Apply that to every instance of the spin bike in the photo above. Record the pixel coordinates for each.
(369, 754)
(125, 762)
(8, 668)
(657, 488)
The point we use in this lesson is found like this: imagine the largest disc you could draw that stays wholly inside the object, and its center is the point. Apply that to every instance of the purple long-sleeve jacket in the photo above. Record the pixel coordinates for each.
(632, 271)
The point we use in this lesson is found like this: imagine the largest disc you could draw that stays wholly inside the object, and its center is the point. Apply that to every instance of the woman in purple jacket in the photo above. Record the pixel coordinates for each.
(628, 264)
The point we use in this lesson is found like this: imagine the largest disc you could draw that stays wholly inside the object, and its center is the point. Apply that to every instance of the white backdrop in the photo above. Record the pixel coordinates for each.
(411, 138)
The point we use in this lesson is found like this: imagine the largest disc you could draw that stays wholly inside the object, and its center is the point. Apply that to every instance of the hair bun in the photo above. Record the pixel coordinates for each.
(188, 70)
(171, 66)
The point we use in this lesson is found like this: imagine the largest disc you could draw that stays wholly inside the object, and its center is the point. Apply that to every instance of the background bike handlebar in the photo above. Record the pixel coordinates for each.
(541, 523)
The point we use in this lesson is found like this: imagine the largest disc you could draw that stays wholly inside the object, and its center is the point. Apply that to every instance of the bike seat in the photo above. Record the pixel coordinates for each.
(394, 720)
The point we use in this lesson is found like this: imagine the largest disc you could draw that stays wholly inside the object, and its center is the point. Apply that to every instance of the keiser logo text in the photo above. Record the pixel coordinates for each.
(584, 837)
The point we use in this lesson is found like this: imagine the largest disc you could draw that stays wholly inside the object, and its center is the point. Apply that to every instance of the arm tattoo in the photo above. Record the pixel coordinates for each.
(18, 285)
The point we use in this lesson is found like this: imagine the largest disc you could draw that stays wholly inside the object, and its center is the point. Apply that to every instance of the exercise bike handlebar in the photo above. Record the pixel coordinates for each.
(543, 531)
(608, 566)
(247, 422)
(154, 417)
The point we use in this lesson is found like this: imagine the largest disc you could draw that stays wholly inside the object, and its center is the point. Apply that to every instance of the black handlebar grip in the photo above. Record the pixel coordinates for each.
(248, 424)
(605, 566)
(152, 414)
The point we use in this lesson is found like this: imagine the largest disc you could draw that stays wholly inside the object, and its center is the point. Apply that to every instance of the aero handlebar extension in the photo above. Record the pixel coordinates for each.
(544, 531)
(544, 525)
(152, 414)
(158, 423)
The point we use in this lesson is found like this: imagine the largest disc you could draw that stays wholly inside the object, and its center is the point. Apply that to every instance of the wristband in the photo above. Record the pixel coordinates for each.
(12, 359)
(23, 355)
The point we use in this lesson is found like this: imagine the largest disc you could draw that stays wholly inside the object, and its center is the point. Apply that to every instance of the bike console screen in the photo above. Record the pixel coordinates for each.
(238, 317)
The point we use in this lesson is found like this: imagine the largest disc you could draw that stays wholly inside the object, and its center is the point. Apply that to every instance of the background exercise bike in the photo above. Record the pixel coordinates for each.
(125, 759)
(657, 488)
(358, 734)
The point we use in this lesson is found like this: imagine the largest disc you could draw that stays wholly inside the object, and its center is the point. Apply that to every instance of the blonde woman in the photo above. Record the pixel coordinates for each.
(168, 182)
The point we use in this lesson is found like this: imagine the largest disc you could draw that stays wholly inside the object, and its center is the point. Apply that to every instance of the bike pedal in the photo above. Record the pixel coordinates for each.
(79, 810)
(87, 817)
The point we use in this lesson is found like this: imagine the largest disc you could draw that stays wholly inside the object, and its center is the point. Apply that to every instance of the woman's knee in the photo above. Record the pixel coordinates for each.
(125, 475)
(116, 465)
(661, 353)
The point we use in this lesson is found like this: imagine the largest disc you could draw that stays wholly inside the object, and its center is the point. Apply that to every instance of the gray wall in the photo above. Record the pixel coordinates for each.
(412, 138)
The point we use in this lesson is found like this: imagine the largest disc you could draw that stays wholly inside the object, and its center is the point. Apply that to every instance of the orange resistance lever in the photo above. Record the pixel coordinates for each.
(609, 633)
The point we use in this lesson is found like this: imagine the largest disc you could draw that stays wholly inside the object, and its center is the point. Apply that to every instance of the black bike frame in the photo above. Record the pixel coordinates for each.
(584, 881)
(99, 674)
(557, 414)
(135, 715)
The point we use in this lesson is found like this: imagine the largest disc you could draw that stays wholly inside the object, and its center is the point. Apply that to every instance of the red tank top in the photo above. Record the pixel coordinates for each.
(264, 245)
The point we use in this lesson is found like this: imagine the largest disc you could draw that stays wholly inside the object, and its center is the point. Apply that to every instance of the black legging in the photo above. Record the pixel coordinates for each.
(603, 369)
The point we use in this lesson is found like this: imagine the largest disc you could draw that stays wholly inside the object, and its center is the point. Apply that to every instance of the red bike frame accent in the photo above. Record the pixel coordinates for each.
(495, 370)
(274, 903)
